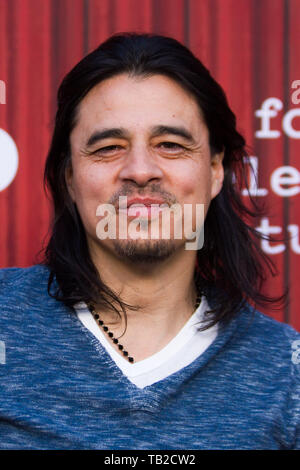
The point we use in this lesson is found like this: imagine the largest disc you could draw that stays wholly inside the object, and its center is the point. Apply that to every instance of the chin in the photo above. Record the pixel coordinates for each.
(145, 251)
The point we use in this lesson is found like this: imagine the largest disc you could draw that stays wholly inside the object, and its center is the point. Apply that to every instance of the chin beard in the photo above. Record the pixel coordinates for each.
(145, 251)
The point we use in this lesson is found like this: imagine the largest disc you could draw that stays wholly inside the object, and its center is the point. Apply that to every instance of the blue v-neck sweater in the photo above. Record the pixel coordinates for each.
(59, 389)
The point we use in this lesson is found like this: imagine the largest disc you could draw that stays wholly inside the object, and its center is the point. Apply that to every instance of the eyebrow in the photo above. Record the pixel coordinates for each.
(121, 133)
(179, 131)
(116, 132)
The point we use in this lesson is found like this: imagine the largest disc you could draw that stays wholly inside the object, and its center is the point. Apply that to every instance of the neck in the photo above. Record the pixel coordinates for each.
(164, 291)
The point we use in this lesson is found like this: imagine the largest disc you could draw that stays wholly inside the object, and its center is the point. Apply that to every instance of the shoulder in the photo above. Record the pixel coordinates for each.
(25, 301)
(269, 344)
(265, 357)
(266, 329)
(12, 278)
(23, 286)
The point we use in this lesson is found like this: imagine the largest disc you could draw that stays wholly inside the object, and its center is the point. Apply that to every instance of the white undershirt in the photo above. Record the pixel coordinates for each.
(183, 349)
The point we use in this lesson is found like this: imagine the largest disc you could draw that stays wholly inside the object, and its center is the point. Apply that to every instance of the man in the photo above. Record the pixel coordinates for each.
(125, 337)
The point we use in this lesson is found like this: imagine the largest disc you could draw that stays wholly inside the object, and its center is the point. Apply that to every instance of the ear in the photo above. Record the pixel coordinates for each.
(69, 181)
(217, 173)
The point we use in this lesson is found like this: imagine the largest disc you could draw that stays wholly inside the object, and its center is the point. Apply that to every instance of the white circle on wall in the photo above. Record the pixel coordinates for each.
(9, 159)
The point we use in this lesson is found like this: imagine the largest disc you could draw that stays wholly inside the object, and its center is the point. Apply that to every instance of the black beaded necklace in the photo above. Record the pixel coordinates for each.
(111, 335)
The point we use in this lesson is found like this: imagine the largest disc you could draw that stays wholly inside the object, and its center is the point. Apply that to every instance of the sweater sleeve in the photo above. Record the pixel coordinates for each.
(293, 406)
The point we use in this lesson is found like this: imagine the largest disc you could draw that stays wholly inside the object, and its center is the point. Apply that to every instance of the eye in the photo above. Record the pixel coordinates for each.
(109, 149)
(171, 145)
(171, 148)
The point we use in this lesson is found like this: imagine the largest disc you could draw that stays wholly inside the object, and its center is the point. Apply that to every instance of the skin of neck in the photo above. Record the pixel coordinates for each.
(164, 290)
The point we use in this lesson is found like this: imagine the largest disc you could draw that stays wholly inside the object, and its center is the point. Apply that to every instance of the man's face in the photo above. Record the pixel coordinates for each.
(143, 138)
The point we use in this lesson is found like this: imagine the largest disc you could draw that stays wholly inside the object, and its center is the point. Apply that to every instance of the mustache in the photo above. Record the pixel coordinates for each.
(151, 190)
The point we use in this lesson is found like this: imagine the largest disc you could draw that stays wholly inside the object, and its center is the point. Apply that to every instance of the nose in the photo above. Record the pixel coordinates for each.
(141, 167)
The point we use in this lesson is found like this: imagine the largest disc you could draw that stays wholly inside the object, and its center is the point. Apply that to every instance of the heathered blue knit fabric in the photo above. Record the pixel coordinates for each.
(59, 389)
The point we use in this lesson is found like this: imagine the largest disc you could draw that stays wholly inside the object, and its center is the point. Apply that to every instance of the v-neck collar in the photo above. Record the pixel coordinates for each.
(154, 361)
(151, 395)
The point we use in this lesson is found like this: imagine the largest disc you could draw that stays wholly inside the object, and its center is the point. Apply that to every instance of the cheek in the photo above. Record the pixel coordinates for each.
(194, 183)
(89, 192)
(88, 185)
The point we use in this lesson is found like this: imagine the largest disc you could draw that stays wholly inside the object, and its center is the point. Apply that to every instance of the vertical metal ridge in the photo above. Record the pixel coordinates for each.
(85, 27)
(213, 37)
(54, 48)
(286, 150)
(12, 84)
(186, 24)
(112, 13)
(155, 11)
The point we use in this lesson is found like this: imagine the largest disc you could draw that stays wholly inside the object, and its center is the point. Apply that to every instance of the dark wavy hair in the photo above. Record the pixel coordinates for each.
(231, 266)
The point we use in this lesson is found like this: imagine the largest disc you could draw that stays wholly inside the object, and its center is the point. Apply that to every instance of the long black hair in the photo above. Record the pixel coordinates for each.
(231, 266)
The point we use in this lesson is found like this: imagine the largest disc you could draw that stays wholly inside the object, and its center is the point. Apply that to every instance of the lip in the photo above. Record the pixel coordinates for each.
(138, 201)
(141, 207)
(144, 201)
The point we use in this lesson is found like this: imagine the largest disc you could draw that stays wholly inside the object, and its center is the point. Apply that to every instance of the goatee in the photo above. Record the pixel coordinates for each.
(145, 251)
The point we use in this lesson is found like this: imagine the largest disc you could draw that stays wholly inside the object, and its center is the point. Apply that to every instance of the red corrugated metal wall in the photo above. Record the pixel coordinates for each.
(251, 46)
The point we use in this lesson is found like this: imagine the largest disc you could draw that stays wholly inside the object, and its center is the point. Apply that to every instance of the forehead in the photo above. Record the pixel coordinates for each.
(138, 102)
